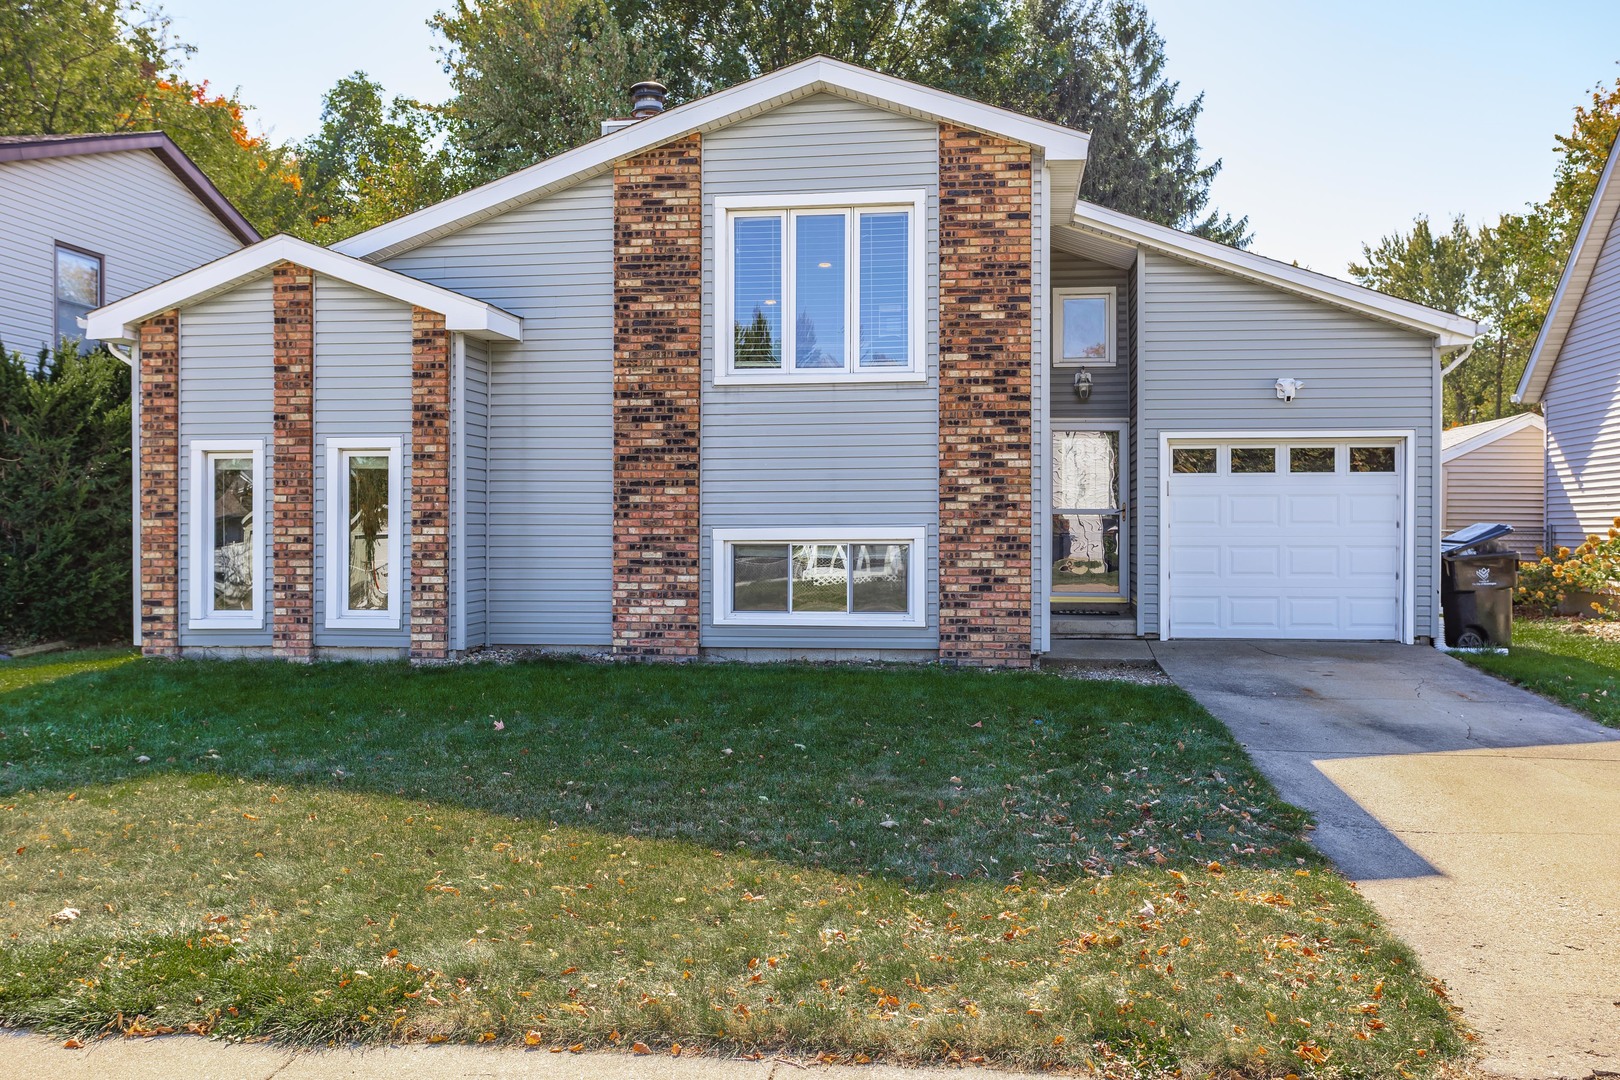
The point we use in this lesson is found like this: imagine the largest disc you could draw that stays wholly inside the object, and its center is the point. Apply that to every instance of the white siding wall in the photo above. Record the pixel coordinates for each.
(362, 387)
(226, 392)
(1212, 348)
(127, 207)
(550, 494)
(1501, 481)
(828, 455)
(1582, 407)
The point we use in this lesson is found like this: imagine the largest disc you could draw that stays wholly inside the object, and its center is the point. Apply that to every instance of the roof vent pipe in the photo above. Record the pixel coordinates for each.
(647, 99)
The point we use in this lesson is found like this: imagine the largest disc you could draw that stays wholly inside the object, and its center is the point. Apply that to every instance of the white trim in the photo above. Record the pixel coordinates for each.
(814, 75)
(1572, 284)
(458, 493)
(1041, 541)
(1407, 464)
(1499, 430)
(338, 615)
(913, 200)
(199, 603)
(119, 321)
(1110, 331)
(1451, 331)
(1123, 428)
(916, 569)
(135, 491)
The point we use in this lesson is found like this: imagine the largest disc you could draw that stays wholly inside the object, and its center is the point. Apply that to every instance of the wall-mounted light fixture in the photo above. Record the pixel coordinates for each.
(1288, 389)
(1082, 384)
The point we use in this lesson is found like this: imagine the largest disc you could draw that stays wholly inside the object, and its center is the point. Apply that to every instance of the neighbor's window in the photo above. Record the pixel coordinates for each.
(363, 553)
(78, 292)
(847, 581)
(225, 546)
(1085, 327)
(821, 292)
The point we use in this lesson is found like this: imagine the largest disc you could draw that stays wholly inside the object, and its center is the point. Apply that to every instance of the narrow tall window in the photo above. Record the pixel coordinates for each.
(227, 564)
(78, 292)
(363, 533)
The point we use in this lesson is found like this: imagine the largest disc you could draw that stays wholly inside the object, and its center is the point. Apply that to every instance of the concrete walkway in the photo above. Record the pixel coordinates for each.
(181, 1057)
(1481, 820)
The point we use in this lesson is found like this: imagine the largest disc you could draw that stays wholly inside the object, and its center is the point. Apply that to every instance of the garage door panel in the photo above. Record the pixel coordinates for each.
(1309, 555)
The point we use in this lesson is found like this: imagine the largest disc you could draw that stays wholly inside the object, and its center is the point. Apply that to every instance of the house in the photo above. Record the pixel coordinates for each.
(89, 219)
(825, 364)
(1493, 471)
(1574, 375)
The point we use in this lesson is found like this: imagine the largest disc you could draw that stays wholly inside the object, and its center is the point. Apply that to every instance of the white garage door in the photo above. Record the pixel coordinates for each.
(1285, 540)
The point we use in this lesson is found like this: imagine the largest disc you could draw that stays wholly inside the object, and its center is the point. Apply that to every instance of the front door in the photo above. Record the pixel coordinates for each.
(1089, 541)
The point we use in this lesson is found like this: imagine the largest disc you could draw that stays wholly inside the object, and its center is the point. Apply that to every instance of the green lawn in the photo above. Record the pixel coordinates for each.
(1577, 669)
(918, 864)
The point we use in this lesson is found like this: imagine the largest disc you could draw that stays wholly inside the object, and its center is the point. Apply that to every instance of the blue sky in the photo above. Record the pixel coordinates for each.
(1336, 122)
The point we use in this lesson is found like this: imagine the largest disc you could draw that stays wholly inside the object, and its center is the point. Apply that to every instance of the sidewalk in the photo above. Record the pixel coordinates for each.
(183, 1057)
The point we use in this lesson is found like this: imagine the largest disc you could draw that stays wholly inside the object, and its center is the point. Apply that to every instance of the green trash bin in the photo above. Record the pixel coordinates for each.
(1476, 587)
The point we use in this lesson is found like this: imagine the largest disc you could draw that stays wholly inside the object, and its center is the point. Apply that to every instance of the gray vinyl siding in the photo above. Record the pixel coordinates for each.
(1110, 386)
(127, 207)
(1583, 419)
(817, 457)
(550, 451)
(1500, 481)
(473, 471)
(362, 388)
(226, 392)
(1212, 347)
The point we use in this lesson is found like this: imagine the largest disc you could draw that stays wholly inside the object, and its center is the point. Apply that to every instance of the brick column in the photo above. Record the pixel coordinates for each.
(430, 486)
(986, 497)
(159, 560)
(657, 339)
(292, 463)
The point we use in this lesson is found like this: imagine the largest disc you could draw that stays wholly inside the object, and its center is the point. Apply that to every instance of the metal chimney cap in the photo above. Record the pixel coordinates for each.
(647, 99)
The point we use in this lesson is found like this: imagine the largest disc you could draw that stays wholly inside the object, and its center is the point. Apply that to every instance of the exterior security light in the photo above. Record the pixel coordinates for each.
(1082, 384)
(1288, 389)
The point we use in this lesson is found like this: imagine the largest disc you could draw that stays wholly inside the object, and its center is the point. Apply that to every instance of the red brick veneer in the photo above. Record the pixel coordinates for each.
(657, 381)
(430, 486)
(159, 559)
(986, 497)
(292, 462)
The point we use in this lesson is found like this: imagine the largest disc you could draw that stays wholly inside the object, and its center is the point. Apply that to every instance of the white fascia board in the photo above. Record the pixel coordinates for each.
(1450, 331)
(1583, 257)
(1497, 431)
(119, 321)
(815, 75)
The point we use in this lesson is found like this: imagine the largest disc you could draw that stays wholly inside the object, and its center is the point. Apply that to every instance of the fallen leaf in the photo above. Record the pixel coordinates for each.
(531, 1038)
(640, 1048)
(73, 1044)
(66, 915)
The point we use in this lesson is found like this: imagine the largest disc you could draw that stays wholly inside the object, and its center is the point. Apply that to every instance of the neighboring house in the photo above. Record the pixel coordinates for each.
(1494, 471)
(1574, 375)
(89, 219)
(825, 364)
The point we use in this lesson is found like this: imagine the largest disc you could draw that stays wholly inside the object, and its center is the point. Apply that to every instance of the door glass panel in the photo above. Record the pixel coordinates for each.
(1085, 470)
(1254, 459)
(1372, 459)
(1311, 459)
(1085, 554)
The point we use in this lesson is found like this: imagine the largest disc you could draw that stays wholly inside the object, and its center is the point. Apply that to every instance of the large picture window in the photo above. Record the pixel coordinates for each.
(226, 526)
(854, 577)
(363, 517)
(826, 288)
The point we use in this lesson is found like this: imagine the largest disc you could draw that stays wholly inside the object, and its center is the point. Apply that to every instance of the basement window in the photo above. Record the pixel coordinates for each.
(856, 577)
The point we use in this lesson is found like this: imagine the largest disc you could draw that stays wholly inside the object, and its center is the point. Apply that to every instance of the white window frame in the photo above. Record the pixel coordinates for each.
(202, 616)
(1107, 293)
(727, 208)
(916, 614)
(338, 615)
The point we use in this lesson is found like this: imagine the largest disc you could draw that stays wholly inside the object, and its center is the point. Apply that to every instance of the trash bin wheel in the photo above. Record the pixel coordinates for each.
(1472, 637)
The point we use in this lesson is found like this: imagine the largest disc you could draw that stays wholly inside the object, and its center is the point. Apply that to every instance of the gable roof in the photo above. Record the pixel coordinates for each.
(1457, 441)
(40, 147)
(1064, 148)
(1450, 331)
(1583, 258)
(119, 320)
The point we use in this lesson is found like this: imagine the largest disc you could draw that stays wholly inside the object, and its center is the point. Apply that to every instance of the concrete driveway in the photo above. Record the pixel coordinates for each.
(1481, 820)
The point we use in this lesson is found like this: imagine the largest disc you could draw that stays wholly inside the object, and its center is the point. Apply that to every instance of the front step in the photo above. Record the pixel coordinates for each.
(1093, 626)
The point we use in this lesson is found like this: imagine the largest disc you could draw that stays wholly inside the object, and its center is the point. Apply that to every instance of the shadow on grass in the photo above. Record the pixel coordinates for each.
(922, 775)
